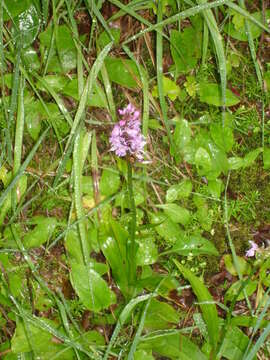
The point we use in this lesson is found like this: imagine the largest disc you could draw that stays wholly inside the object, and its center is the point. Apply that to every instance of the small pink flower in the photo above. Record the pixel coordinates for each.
(126, 137)
(254, 247)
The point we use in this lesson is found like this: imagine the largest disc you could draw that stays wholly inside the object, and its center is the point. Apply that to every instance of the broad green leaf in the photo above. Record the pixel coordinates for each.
(160, 315)
(195, 245)
(87, 185)
(104, 39)
(243, 265)
(184, 55)
(27, 338)
(222, 136)
(33, 123)
(235, 163)
(233, 290)
(234, 344)
(66, 51)
(203, 161)
(176, 213)
(122, 199)
(237, 30)
(166, 228)
(16, 282)
(44, 227)
(15, 7)
(113, 241)
(219, 161)
(92, 290)
(147, 252)
(182, 134)
(109, 182)
(266, 158)
(179, 191)
(122, 71)
(143, 355)
(26, 26)
(97, 97)
(30, 59)
(150, 282)
(251, 157)
(210, 94)
(69, 87)
(209, 310)
(215, 187)
(264, 273)
(173, 346)
(170, 89)
(73, 247)
(20, 190)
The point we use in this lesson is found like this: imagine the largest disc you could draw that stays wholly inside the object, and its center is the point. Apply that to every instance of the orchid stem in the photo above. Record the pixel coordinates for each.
(132, 228)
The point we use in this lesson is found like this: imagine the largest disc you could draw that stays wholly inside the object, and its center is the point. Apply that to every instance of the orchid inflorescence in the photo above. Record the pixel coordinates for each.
(126, 138)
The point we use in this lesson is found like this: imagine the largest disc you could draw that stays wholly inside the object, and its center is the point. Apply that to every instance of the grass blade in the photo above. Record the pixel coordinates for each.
(209, 310)
(122, 319)
(22, 168)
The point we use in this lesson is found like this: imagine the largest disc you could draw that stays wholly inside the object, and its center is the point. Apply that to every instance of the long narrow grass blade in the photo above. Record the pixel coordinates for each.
(22, 168)
(260, 342)
(78, 167)
(159, 60)
(217, 40)
(139, 331)
(122, 319)
(78, 117)
(18, 137)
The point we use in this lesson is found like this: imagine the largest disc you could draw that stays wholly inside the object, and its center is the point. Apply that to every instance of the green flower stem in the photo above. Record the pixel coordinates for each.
(131, 249)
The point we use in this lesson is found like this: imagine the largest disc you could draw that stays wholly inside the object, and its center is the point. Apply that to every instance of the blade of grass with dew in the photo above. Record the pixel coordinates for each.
(82, 104)
(41, 324)
(259, 343)
(159, 61)
(94, 172)
(127, 9)
(217, 40)
(122, 319)
(91, 5)
(257, 325)
(182, 15)
(256, 64)
(225, 326)
(2, 68)
(247, 15)
(64, 318)
(205, 43)
(18, 138)
(50, 123)
(232, 248)
(45, 10)
(90, 212)
(13, 101)
(79, 52)
(22, 168)
(56, 97)
(209, 310)
(194, 11)
(139, 331)
(29, 80)
(78, 168)
(108, 91)
(42, 284)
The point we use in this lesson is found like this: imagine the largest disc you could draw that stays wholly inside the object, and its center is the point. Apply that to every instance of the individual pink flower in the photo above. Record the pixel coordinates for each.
(126, 137)
(254, 247)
